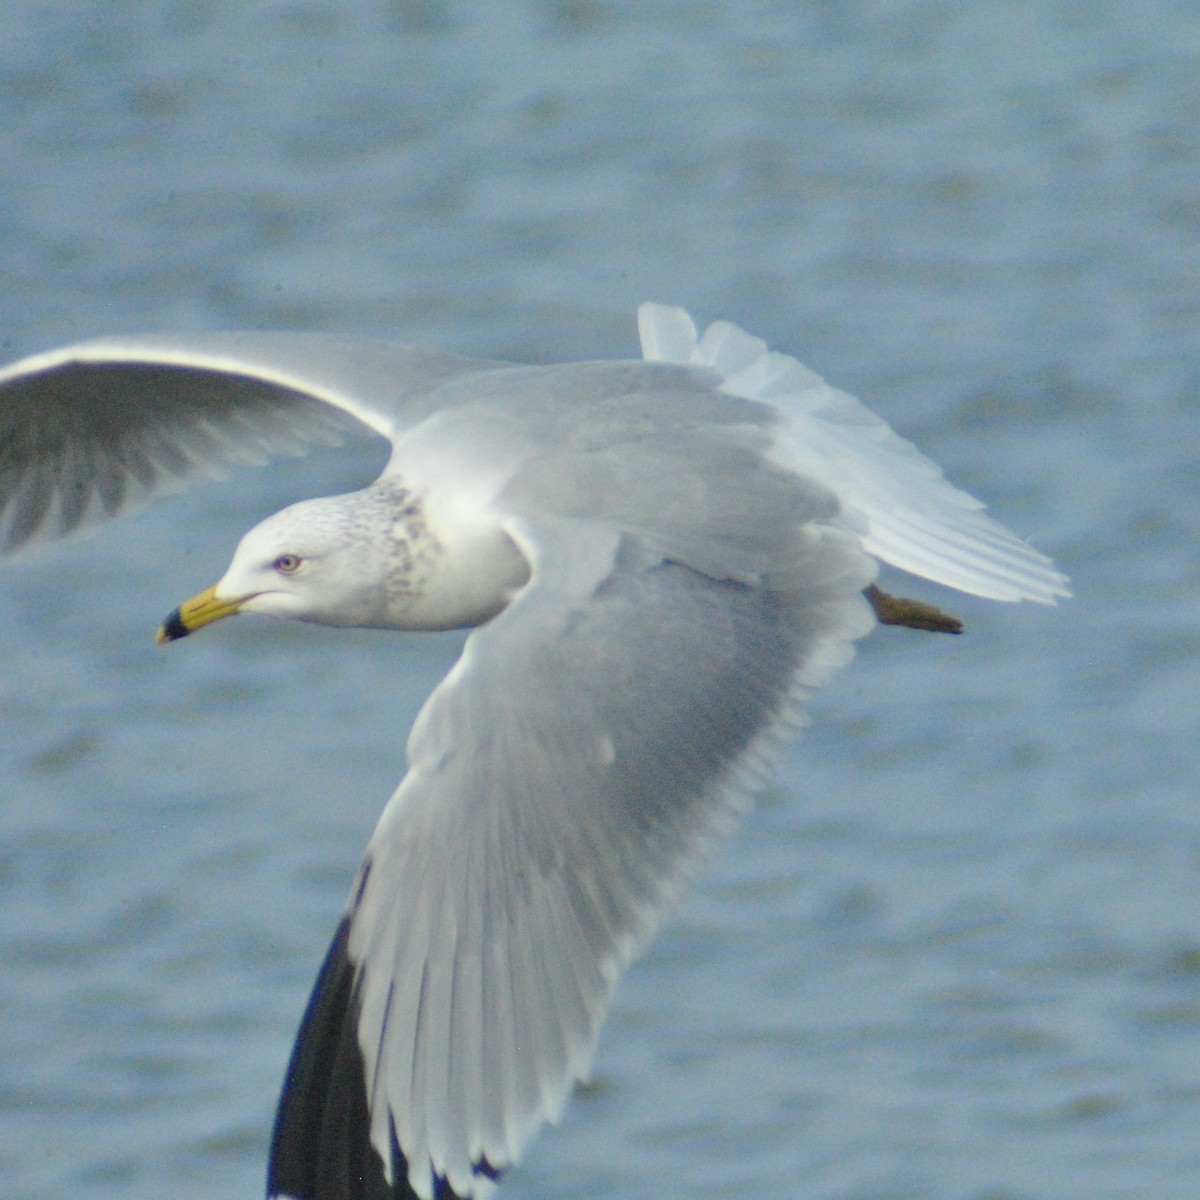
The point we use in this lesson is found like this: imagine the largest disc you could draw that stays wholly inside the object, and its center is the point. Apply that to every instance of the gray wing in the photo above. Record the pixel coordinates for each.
(93, 430)
(565, 780)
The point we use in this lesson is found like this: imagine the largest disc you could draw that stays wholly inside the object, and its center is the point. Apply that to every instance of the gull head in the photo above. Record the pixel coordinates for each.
(368, 559)
(340, 560)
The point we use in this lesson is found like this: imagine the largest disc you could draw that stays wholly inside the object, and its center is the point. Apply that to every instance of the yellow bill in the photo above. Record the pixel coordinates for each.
(194, 614)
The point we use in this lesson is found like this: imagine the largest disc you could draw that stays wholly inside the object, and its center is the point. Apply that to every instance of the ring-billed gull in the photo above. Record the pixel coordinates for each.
(662, 559)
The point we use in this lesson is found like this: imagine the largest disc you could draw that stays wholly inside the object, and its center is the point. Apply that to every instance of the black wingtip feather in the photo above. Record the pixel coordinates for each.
(321, 1148)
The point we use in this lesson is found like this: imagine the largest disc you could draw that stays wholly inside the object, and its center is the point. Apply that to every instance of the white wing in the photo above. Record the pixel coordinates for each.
(94, 430)
(897, 499)
(564, 780)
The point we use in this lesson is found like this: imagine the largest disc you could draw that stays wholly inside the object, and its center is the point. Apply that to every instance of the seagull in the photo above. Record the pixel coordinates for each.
(659, 560)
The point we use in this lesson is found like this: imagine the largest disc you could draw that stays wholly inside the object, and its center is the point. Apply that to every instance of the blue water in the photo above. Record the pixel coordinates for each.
(955, 952)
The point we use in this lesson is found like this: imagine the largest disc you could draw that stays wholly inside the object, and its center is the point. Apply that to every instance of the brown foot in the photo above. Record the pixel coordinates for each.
(895, 610)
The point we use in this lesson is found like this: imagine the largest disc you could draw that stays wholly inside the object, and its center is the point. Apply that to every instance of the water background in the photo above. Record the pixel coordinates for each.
(955, 952)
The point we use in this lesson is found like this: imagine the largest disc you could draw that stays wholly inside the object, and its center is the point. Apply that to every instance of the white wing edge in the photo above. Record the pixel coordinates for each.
(896, 499)
(260, 356)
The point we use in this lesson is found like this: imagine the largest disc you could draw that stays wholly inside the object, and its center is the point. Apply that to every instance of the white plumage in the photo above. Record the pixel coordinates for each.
(663, 559)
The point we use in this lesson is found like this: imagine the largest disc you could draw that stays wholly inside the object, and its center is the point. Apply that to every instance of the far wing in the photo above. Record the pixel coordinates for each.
(907, 513)
(92, 430)
(565, 779)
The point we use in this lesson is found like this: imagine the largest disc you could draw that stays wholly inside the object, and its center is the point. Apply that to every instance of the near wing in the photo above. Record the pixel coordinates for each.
(93, 430)
(565, 779)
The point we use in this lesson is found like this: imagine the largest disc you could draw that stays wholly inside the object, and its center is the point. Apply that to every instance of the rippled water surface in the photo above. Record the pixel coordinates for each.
(955, 952)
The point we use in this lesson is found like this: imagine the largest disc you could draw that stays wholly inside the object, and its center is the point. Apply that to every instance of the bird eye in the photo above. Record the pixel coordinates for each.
(287, 564)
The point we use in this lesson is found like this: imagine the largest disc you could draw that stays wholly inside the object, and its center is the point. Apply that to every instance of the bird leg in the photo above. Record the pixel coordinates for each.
(913, 614)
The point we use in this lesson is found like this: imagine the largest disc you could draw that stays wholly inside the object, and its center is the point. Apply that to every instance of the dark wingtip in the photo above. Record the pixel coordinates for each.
(321, 1148)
